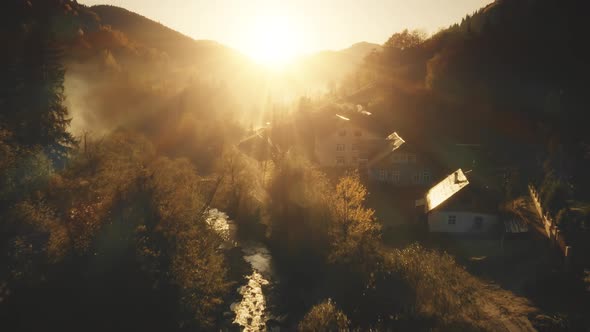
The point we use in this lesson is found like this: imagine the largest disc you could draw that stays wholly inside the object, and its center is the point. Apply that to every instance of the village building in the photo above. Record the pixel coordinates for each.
(452, 206)
(346, 144)
(405, 166)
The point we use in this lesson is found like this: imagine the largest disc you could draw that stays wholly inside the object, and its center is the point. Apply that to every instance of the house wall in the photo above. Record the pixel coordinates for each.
(464, 222)
(348, 144)
(402, 169)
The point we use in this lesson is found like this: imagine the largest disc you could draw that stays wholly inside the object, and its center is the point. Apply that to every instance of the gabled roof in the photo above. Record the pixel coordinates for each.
(333, 116)
(329, 122)
(258, 146)
(445, 189)
(393, 142)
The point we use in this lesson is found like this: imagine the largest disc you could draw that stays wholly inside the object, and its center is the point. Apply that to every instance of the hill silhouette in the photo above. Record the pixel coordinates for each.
(120, 138)
(156, 35)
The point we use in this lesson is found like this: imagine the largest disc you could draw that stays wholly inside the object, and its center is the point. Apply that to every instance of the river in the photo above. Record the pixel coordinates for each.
(252, 309)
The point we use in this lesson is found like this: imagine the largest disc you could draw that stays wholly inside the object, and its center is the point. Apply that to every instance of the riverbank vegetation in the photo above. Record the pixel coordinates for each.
(323, 234)
(105, 227)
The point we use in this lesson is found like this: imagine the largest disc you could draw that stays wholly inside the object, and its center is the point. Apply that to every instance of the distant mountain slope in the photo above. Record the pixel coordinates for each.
(360, 50)
(327, 68)
(511, 76)
(157, 35)
(139, 27)
(121, 66)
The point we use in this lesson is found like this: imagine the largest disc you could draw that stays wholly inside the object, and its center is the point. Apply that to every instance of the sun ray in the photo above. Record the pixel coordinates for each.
(274, 40)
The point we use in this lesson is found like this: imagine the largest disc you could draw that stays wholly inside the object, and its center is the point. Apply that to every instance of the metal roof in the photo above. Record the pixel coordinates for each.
(395, 141)
(445, 189)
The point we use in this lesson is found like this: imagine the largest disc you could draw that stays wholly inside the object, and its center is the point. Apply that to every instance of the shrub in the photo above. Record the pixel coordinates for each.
(324, 317)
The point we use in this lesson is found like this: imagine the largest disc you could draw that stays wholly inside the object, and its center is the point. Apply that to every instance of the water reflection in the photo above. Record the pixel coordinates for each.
(258, 256)
(220, 223)
(251, 311)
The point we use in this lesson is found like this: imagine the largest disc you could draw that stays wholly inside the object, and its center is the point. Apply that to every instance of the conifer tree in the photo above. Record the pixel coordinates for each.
(33, 97)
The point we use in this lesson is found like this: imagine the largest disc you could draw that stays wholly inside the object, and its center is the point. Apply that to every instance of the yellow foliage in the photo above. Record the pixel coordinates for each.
(352, 225)
(324, 316)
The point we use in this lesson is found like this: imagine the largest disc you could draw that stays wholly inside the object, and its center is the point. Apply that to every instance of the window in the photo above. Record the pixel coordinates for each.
(339, 147)
(363, 163)
(452, 220)
(412, 158)
(425, 177)
(355, 147)
(339, 160)
(416, 178)
(395, 176)
(382, 174)
(400, 158)
(478, 222)
(358, 133)
(342, 133)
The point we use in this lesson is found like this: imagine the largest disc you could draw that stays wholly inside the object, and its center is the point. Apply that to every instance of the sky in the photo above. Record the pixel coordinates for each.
(302, 26)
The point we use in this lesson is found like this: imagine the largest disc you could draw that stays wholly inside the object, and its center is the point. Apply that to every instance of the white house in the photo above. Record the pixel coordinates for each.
(346, 144)
(452, 208)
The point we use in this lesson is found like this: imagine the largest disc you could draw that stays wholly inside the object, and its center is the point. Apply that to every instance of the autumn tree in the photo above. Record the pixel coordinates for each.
(405, 40)
(239, 182)
(196, 265)
(354, 229)
(299, 206)
(324, 316)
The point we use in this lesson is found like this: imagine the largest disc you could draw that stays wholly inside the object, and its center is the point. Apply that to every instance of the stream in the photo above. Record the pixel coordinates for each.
(252, 309)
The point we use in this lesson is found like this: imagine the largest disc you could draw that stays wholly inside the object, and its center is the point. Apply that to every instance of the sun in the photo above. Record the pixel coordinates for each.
(274, 40)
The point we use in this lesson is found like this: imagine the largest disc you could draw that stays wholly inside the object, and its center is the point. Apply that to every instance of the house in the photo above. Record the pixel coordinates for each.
(350, 142)
(258, 145)
(452, 206)
(405, 166)
(346, 144)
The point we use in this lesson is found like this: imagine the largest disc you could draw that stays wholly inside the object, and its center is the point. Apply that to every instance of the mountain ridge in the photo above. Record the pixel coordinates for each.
(129, 22)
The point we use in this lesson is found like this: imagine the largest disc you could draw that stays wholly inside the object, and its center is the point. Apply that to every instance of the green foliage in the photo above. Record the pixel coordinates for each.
(25, 171)
(324, 316)
(34, 108)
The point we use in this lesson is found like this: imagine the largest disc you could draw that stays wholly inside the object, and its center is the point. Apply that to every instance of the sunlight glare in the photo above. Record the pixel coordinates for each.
(274, 40)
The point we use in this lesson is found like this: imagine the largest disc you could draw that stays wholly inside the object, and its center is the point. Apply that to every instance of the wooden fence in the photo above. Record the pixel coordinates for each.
(553, 233)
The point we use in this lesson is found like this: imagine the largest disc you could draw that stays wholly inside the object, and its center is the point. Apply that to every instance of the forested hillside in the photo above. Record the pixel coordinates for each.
(119, 140)
(156, 35)
(87, 225)
(510, 77)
